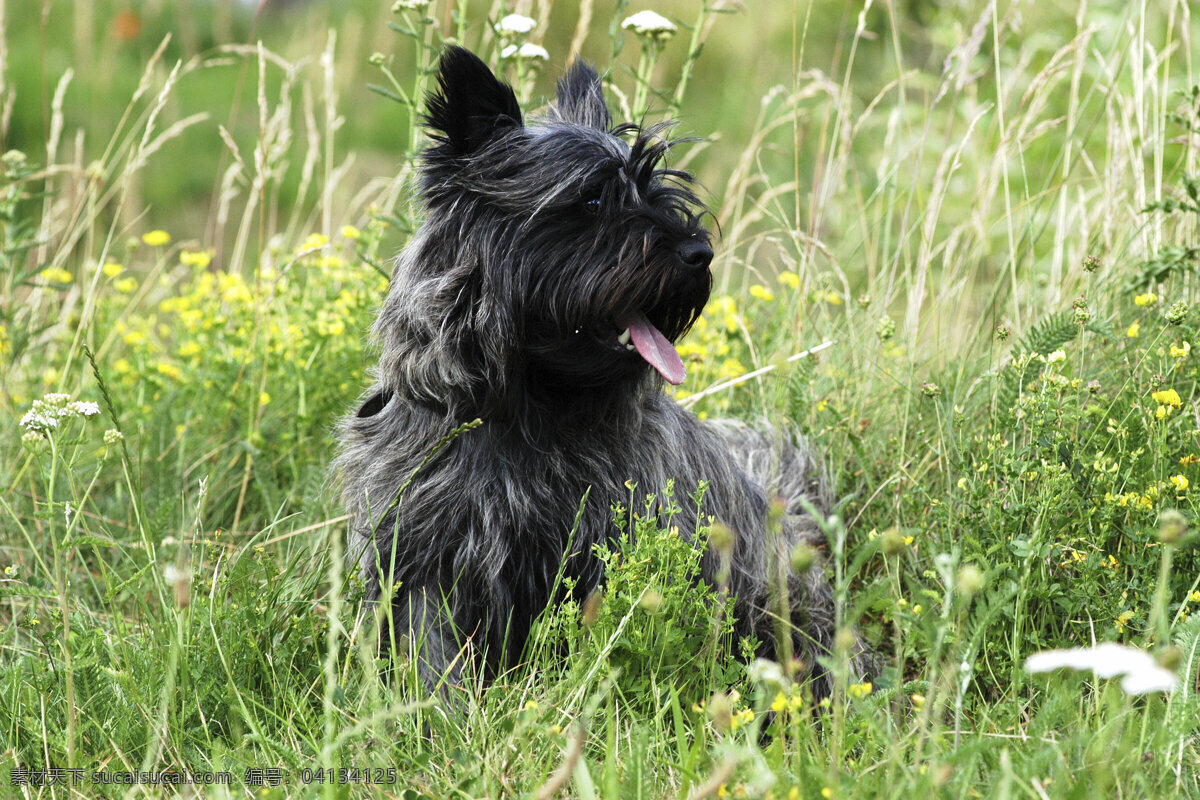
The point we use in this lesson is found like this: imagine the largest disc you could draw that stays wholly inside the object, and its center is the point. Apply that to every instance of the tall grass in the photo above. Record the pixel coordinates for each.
(982, 225)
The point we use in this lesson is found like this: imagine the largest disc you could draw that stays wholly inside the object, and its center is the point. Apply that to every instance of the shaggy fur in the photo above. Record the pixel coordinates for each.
(541, 242)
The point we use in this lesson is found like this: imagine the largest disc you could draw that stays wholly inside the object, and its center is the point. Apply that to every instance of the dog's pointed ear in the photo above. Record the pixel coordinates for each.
(470, 106)
(581, 99)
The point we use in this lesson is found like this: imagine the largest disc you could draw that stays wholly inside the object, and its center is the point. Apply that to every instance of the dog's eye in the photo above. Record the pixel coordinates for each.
(591, 205)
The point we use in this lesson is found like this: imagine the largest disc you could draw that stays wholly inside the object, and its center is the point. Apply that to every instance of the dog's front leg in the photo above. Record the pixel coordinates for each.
(423, 626)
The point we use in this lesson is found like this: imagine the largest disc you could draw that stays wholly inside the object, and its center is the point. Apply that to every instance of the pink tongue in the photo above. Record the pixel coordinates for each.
(655, 348)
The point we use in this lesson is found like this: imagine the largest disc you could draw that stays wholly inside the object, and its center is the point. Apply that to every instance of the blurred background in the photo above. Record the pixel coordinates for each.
(751, 53)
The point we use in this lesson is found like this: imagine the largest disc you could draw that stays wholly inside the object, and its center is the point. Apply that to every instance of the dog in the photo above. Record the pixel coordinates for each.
(558, 262)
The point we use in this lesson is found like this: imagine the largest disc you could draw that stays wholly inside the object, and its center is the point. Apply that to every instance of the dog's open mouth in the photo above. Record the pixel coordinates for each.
(638, 333)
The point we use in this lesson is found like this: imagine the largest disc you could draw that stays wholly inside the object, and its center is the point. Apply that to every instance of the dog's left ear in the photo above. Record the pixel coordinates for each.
(471, 106)
(580, 98)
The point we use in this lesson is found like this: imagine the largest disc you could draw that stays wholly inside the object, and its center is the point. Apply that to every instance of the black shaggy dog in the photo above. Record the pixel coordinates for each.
(558, 262)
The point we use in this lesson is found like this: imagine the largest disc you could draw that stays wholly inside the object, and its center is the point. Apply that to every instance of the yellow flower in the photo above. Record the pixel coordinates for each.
(189, 349)
(170, 370)
(918, 701)
(1179, 482)
(1133, 330)
(195, 258)
(1181, 351)
(122, 366)
(351, 232)
(827, 792)
(789, 279)
(860, 690)
(125, 285)
(762, 293)
(962, 484)
(264, 398)
(1056, 357)
(156, 238)
(314, 241)
(530, 705)
(1194, 597)
(112, 269)
(1123, 620)
(55, 275)
(833, 298)
(794, 793)
(780, 703)
(1167, 397)
(1147, 299)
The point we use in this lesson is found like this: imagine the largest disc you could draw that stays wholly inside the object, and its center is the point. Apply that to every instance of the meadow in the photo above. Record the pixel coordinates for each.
(981, 218)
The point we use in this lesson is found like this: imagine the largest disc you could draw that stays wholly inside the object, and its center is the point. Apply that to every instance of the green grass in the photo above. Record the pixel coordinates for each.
(991, 217)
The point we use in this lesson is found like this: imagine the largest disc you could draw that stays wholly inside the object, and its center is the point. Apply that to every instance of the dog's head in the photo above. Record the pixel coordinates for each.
(565, 252)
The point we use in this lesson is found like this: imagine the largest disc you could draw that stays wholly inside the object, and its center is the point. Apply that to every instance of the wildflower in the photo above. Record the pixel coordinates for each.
(1134, 330)
(762, 293)
(863, 300)
(112, 269)
(1082, 314)
(741, 718)
(1056, 357)
(44, 415)
(156, 238)
(13, 159)
(410, 5)
(515, 25)
(264, 398)
(969, 580)
(1179, 482)
(860, 690)
(168, 369)
(1002, 332)
(1147, 299)
(1140, 673)
(189, 349)
(351, 232)
(1194, 597)
(789, 279)
(1091, 263)
(56, 275)
(827, 792)
(649, 24)
(1167, 397)
(526, 50)
(113, 437)
(886, 328)
(195, 258)
(530, 705)
(833, 298)
(918, 701)
(314, 241)
(1177, 313)
(780, 704)
(930, 390)
(125, 285)
(1123, 620)
(1172, 525)
(1181, 351)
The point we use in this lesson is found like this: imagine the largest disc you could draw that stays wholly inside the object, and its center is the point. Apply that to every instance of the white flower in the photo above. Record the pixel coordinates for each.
(649, 23)
(1140, 672)
(43, 415)
(765, 671)
(1056, 357)
(516, 25)
(409, 5)
(526, 50)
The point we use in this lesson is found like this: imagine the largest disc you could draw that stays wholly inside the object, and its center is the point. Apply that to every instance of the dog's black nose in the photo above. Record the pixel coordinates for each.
(695, 253)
